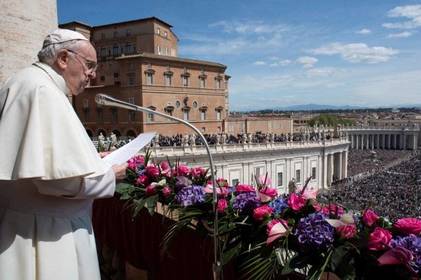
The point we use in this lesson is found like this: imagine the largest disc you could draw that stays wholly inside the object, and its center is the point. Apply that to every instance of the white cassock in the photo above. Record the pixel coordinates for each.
(50, 173)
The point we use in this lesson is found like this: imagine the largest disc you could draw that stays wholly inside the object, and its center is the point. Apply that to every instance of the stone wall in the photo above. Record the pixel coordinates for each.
(23, 26)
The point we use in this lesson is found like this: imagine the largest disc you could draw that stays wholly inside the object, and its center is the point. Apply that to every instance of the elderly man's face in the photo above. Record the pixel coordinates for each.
(81, 67)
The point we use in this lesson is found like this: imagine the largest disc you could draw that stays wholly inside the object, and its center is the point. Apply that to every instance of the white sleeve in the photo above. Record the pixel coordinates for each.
(79, 187)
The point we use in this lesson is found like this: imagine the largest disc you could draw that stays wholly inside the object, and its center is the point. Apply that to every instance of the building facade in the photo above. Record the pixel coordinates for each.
(323, 161)
(138, 63)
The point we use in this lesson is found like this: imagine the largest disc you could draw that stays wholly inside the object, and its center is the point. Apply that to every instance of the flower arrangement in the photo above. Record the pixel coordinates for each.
(268, 235)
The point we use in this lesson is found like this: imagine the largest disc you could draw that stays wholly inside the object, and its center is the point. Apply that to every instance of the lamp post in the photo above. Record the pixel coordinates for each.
(106, 100)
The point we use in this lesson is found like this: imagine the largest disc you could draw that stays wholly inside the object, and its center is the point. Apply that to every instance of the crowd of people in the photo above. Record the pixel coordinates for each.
(361, 161)
(394, 191)
(242, 138)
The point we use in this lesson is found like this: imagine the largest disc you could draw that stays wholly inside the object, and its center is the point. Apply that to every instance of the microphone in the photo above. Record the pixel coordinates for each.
(106, 100)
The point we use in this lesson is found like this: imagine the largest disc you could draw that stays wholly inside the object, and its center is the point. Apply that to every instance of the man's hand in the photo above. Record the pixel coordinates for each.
(104, 154)
(120, 171)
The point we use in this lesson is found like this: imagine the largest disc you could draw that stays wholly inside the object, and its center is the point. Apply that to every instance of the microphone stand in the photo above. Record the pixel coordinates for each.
(103, 99)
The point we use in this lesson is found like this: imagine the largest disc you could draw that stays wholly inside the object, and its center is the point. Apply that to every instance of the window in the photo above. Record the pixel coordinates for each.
(149, 78)
(298, 175)
(114, 115)
(313, 173)
(194, 104)
(165, 34)
(218, 84)
(115, 74)
(131, 78)
(280, 179)
(218, 115)
(128, 33)
(158, 49)
(158, 31)
(132, 116)
(115, 50)
(185, 81)
(202, 82)
(202, 115)
(115, 34)
(150, 117)
(186, 115)
(234, 182)
(102, 35)
(168, 78)
(177, 104)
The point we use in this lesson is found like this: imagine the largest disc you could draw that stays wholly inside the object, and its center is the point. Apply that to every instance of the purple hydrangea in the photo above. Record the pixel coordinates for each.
(190, 195)
(246, 201)
(278, 205)
(413, 244)
(314, 232)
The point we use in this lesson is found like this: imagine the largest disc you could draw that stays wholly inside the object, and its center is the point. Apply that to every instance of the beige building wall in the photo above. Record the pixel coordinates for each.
(23, 26)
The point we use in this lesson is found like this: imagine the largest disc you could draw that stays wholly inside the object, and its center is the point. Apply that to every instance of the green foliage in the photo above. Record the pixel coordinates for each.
(329, 120)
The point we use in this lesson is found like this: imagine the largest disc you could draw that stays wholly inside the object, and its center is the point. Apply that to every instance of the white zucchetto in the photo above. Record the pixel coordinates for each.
(59, 36)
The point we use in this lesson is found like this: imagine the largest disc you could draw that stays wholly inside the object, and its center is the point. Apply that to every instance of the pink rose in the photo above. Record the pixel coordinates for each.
(222, 205)
(165, 168)
(271, 192)
(142, 180)
(296, 202)
(379, 239)
(183, 170)
(244, 188)
(261, 212)
(408, 225)
(135, 161)
(347, 231)
(150, 190)
(152, 171)
(166, 191)
(198, 172)
(370, 217)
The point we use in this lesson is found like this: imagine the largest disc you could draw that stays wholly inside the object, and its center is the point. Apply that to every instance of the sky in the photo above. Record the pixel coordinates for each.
(289, 52)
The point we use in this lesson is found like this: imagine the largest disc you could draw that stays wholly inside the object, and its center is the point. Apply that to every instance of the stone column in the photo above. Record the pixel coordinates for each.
(23, 26)
(389, 141)
(378, 141)
(415, 142)
(340, 164)
(345, 164)
(324, 167)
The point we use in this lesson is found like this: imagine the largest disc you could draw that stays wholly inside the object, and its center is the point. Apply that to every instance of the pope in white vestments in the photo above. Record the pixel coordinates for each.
(50, 172)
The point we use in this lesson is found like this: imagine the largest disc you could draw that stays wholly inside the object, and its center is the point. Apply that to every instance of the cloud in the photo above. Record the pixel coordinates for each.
(283, 62)
(259, 62)
(256, 27)
(363, 31)
(307, 61)
(404, 34)
(411, 12)
(357, 52)
(321, 72)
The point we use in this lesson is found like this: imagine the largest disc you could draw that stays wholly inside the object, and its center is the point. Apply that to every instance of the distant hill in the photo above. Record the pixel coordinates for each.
(317, 107)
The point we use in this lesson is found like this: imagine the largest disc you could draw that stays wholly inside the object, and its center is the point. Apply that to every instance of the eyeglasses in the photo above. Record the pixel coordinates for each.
(89, 64)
